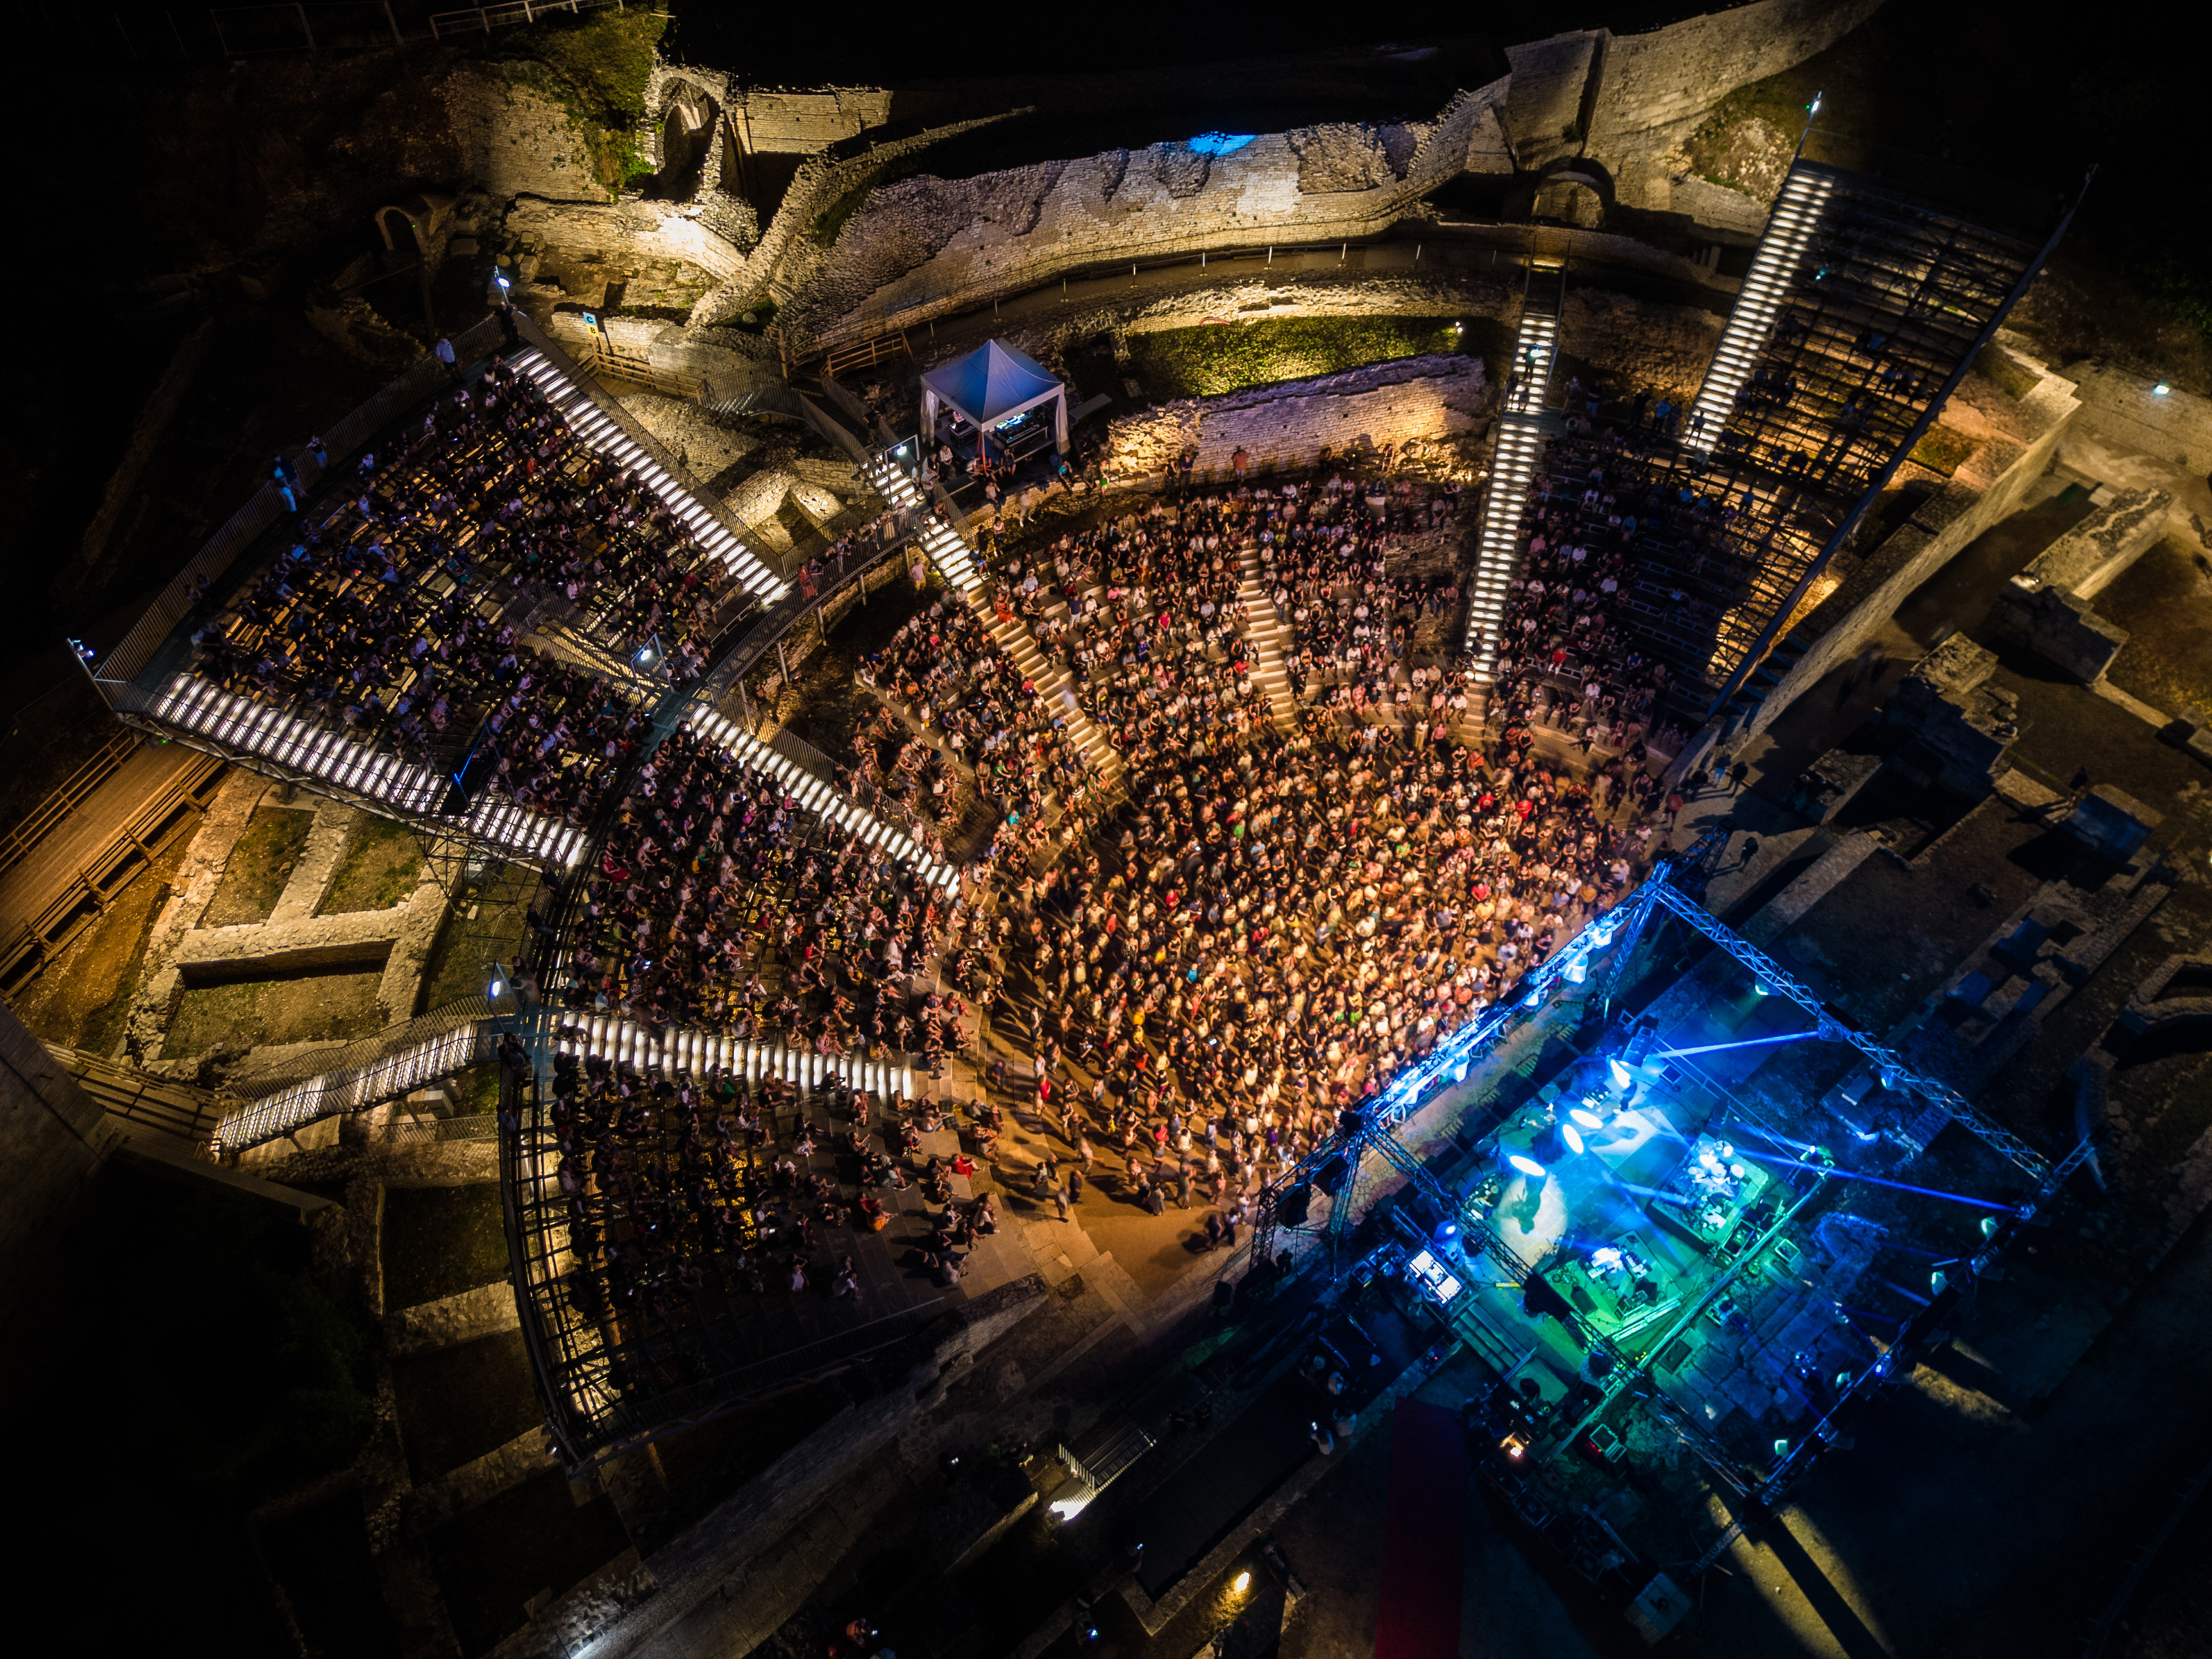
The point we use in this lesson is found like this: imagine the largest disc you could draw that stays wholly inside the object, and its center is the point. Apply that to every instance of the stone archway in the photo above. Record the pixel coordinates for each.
(397, 226)
(1571, 198)
(689, 118)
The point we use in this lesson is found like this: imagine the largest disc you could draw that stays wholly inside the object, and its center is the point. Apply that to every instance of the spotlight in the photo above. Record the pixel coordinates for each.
(1527, 1166)
(498, 986)
(1989, 1226)
(2161, 390)
(1536, 995)
(1572, 1136)
(1937, 1281)
(1621, 1078)
(1759, 989)
(1843, 1381)
(1577, 971)
(1781, 1449)
(1243, 1583)
(1587, 1118)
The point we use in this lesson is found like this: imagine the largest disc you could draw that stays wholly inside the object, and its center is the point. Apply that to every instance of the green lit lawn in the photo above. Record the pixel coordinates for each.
(1198, 362)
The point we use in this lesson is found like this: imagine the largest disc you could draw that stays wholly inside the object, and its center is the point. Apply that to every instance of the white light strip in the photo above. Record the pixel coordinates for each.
(1789, 230)
(822, 800)
(597, 431)
(1520, 446)
(682, 1047)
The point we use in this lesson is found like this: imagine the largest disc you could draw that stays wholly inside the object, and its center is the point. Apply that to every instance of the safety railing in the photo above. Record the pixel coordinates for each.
(395, 1061)
(65, 800)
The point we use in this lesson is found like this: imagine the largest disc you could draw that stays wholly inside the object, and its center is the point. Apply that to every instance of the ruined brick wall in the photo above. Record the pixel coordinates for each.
(1657, 86)
(924, 246)
(1412, 400)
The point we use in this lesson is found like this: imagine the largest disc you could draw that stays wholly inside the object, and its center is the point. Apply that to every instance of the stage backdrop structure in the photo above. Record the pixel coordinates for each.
(991, 385)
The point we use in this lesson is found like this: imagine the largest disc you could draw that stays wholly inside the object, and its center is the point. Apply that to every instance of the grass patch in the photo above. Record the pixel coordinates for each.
(2013, 380)
(458, 1403)
(1944, 450)
(460, 962)
(441, 1241)
(305, 1008)
(254, 875)
(2165, 601)
(383, 862)
(475, 1090)
(1205, 362)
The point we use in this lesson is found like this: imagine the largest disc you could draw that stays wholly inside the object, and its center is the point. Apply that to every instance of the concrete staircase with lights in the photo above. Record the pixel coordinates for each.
(1790, 230)
(1522, 429)
(958, 563)
(1270, 641)
(817, 796)
(949, 553)
(599, 430)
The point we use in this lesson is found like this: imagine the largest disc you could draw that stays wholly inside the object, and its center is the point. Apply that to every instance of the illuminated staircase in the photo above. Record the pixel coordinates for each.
(602, 433)
(1521, 434)
(948, 550)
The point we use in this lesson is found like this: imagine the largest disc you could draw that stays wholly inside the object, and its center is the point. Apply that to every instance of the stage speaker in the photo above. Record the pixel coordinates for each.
(1330, 1176)
(1292, 1208)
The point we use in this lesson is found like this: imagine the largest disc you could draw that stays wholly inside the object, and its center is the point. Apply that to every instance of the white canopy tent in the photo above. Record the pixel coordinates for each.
(992, 384)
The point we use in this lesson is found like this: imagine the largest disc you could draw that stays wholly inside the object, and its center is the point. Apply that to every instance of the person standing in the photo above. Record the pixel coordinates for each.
(1060, 1198)
(443, 352)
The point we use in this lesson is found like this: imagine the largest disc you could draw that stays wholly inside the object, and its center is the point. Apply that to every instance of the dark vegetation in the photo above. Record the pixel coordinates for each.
(182, 1366)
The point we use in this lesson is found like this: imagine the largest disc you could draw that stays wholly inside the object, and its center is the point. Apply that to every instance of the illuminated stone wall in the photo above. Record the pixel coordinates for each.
(1412, 400)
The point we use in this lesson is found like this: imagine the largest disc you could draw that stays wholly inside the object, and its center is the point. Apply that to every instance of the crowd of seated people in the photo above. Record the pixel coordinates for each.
(1620, 556)
(1326, 566)
(384, 612)
(1248, 946)
(959, 684)
(684, 1202)
(721, 904)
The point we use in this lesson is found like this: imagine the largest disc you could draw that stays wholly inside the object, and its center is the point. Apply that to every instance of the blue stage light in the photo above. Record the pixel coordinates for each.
(1586, 1117)
(1621, 1078)
(1220, 143)
(1572, 1136)
(1527, 1166)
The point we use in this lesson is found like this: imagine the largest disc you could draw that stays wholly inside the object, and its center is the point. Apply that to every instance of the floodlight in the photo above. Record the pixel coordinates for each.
(1527, 1166)
(2161, 390)
(1243, 1583)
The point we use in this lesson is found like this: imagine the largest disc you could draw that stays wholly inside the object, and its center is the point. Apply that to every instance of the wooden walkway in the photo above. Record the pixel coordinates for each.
(64, 883)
